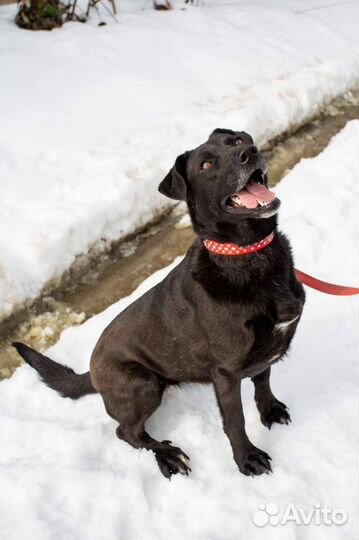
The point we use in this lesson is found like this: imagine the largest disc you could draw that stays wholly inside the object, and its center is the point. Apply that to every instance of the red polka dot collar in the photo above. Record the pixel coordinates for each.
(232, 249)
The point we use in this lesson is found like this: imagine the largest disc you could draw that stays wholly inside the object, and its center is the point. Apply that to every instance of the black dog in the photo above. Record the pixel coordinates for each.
(215, 318)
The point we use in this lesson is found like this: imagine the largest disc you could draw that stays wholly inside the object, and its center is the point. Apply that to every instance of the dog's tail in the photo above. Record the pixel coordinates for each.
(58, 377)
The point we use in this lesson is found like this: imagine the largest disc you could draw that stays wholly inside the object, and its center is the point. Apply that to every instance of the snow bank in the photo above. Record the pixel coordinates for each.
(92, 118)
(64, 475)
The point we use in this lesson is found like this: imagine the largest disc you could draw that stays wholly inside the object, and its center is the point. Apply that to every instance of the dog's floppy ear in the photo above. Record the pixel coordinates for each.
(174, 184)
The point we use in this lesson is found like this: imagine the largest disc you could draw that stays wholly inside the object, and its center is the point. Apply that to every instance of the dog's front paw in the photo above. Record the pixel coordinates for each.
(255, 462)
(172, 460)
(274, 411)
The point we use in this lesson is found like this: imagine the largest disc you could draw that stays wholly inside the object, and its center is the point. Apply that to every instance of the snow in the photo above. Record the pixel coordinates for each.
(64, 474)
(92, 118)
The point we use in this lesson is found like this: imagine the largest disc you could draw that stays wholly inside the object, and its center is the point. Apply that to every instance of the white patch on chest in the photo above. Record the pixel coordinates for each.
(282, 327)
(274, 358)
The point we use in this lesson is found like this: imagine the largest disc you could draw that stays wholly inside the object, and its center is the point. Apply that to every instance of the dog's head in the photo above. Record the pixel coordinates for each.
(223, 181)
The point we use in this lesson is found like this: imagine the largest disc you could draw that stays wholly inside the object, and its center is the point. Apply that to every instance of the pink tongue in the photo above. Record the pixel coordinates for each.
(254, 192)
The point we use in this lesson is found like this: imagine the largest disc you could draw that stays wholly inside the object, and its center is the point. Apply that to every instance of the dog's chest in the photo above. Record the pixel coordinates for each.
(272, 338)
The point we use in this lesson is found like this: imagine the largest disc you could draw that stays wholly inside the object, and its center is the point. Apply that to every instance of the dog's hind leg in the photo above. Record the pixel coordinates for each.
(133, 394)
(271, 410)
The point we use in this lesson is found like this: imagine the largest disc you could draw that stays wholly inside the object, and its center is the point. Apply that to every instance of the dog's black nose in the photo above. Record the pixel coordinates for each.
(246, 152)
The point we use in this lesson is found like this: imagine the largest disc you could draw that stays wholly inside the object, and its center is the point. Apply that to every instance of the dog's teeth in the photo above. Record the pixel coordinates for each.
(263, 203)
(237, 201)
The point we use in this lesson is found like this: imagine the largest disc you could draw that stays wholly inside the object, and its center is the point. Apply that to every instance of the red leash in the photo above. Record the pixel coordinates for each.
(323, 286)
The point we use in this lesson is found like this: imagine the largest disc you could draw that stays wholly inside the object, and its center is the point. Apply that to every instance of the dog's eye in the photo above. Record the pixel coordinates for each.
(238, 141)
(206, 165)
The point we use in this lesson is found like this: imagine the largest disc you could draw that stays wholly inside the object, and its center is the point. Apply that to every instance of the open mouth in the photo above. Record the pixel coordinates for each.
(255, 196)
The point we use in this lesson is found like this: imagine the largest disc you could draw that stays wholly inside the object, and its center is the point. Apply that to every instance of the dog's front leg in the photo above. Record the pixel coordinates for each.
(250, 460)
(270, 408)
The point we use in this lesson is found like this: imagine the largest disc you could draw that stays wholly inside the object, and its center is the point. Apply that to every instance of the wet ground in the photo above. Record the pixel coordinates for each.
(96, 282)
